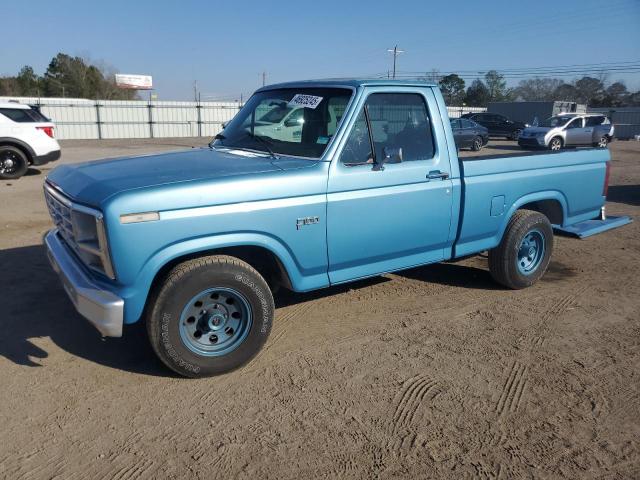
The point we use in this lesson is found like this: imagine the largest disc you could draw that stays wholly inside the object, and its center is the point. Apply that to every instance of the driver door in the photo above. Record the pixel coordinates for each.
(576, 134)
(380, 220)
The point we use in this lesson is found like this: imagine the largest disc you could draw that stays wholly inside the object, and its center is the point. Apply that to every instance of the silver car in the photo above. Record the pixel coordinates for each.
(566, 130)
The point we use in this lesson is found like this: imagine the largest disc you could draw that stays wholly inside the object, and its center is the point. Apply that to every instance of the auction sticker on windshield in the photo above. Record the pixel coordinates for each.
(308, 101)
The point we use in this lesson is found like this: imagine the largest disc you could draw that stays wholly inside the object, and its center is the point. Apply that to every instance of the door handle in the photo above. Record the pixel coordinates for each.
(437, 174)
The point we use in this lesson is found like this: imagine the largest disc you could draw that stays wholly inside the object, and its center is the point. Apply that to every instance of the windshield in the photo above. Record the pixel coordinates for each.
(555, 121)
(292, 121)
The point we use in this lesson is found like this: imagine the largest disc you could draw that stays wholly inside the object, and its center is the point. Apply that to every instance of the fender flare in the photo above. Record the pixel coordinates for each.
(137, 296)
(20, 144)
(533, 197)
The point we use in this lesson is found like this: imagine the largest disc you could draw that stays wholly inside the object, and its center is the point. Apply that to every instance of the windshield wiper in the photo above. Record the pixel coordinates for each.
(264, 142)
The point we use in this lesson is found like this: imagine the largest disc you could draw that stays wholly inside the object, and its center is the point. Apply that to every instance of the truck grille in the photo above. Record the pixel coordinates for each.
(82, 229)
(61, 216)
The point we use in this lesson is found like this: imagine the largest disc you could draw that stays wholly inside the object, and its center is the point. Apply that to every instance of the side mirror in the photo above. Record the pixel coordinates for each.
(389, 154)
(392, 154)
(224, 125)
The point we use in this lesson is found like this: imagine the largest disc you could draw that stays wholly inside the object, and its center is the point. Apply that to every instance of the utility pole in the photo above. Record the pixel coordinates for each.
(264, 78)
(395, 52)
(195, 90)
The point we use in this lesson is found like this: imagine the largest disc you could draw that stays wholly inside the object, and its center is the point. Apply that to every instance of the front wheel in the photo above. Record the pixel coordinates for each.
(209, 316)
(477, 144)
(555, 144)
(523, 255)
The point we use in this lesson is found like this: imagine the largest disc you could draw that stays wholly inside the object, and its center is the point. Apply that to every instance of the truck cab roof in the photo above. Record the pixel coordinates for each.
(348, 83)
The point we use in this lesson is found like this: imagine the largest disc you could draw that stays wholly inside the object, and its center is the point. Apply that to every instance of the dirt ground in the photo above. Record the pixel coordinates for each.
(434, 372)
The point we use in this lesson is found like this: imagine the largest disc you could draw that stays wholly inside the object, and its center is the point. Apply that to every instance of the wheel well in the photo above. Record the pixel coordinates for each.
(552, 209)
(27, 153)
(558, 137)
(262, 259)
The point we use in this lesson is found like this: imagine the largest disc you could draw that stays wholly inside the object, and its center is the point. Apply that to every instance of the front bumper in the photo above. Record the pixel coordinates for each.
(103, 309)
(530, 142)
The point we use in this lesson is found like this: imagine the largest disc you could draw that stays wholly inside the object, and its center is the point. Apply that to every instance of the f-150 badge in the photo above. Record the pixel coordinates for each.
(301, 222)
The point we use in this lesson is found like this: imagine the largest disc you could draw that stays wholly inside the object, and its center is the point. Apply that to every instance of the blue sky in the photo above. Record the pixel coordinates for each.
(226, 45)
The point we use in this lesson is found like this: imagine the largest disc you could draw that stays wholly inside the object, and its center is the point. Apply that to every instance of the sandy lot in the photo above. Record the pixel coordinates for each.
(434, 372)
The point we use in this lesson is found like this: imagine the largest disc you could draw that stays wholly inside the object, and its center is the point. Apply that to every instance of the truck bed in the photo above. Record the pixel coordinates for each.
(568, 185)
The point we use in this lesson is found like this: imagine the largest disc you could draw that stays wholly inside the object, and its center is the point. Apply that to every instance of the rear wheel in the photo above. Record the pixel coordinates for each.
(477, 144)
(602, 143)
(523, 255)
(515, 134)
(555, 144)
(210, 315)
(13, 162)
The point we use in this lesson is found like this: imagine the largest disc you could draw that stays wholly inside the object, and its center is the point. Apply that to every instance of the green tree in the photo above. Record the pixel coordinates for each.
(496, 86)
(537, 89)
(69, 76)
(616, 95)
(477, 94)
(590, 90)
(452, 87)
(566, 93)
(28, 83)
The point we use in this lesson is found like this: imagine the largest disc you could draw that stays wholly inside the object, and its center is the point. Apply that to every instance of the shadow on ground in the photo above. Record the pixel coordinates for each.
(629, 194)
(35, 305)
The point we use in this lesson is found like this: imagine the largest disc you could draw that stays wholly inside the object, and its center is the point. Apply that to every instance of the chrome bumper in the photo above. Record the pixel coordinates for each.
(102, 308)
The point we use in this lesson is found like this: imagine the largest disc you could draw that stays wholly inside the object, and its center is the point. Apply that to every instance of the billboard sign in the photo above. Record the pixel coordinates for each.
(135, 82)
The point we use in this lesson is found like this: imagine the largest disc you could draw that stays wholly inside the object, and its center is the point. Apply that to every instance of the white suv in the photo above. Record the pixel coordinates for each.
(26, 138)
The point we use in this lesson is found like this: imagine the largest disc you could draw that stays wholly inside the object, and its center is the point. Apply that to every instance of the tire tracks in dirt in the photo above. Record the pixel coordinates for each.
(515, 386)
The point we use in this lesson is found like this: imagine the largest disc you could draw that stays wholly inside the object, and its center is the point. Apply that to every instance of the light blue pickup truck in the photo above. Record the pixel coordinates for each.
(194, 242)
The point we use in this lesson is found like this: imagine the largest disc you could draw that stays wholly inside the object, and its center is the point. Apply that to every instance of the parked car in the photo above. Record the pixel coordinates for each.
(498, 125)
(569, 130)
(26, 138)
(195, 241)
(468, 134)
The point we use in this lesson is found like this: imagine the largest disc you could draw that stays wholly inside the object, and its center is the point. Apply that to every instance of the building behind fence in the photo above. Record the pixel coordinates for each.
(102, 119)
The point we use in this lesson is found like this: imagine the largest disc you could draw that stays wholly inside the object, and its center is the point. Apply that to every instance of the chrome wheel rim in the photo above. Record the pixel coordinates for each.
(602, 143)
(555, 144)
(9, 162)
(477, 144)
(215, 322)
(531, 252)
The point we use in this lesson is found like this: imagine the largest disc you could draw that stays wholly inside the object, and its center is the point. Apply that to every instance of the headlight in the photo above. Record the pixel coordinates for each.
(82, 229)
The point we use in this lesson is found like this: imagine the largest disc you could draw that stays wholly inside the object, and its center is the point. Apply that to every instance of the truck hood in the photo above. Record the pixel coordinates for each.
(93, 182)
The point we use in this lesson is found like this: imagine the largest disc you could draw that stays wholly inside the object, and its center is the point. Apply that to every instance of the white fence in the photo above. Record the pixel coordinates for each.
(99, 119)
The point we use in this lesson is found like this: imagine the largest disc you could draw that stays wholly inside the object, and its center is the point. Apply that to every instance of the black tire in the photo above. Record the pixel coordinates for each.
(602, 143)
(13, 162)
(477, 144)
(515, 134)
(169, 301)
(503, 260)
(556, 144)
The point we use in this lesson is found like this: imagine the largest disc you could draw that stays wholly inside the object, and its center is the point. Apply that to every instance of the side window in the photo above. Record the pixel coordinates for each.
(357, 150)
(455, 124)
(575, 123)
(594, 121)
(467, 124)
(20, 115)
(396, 120)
